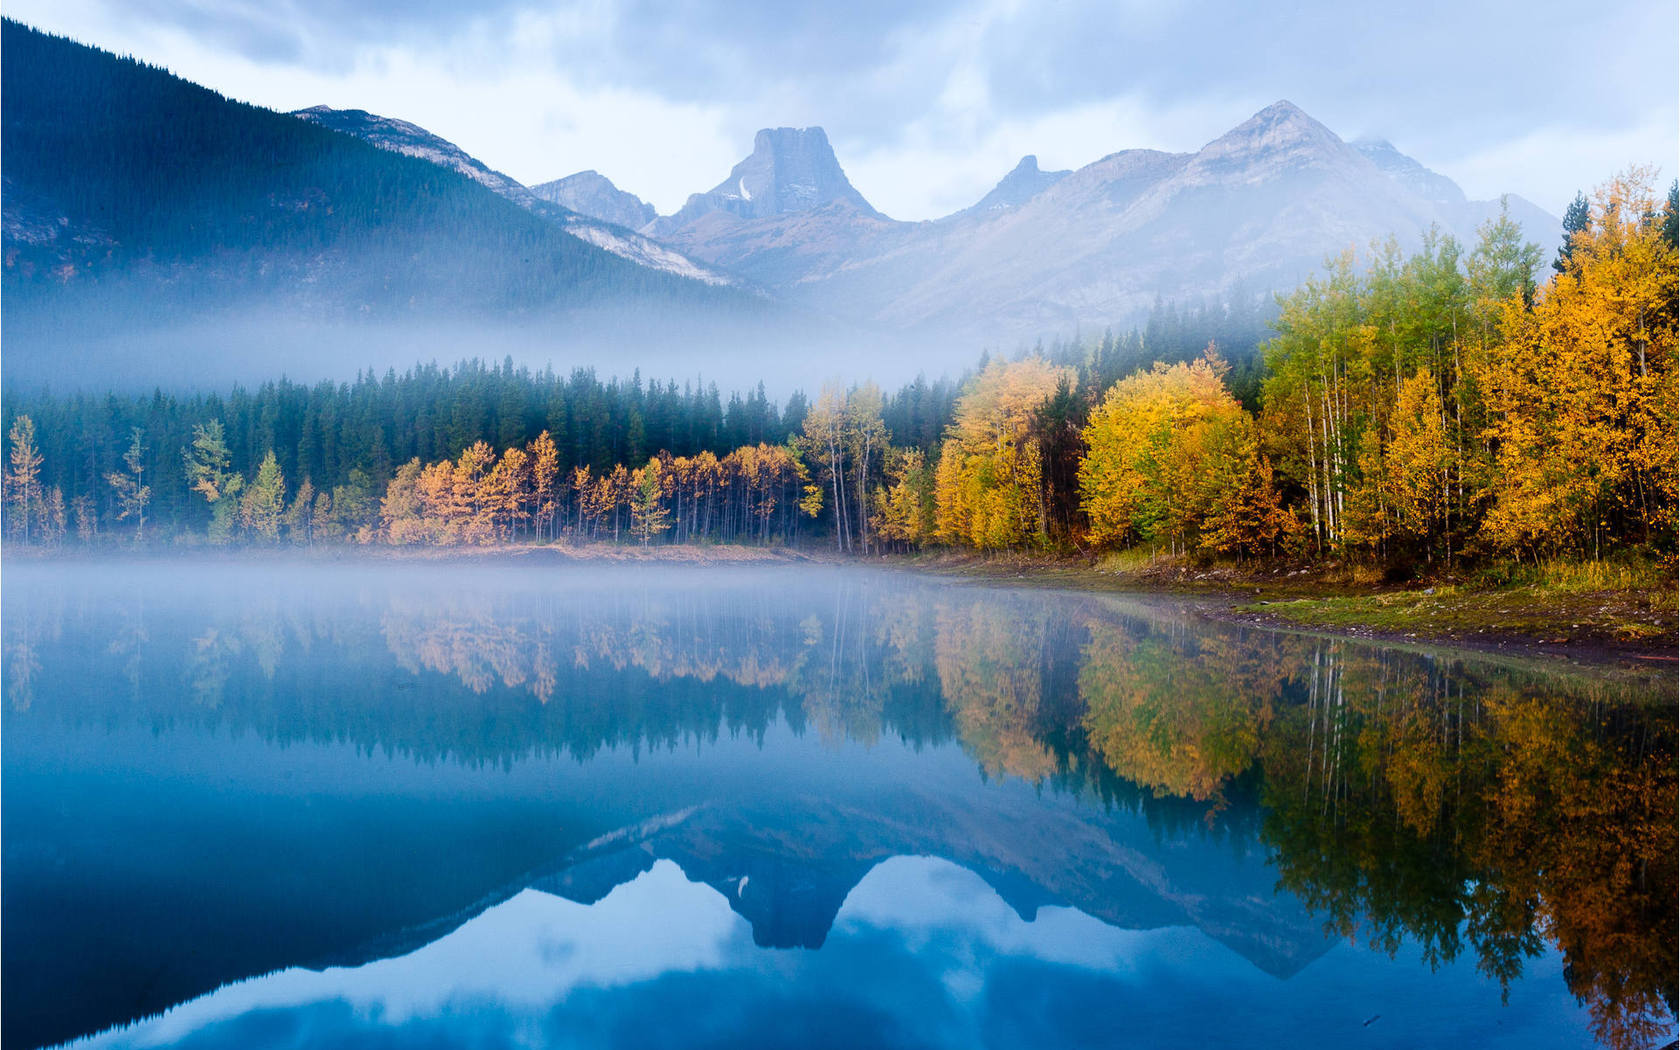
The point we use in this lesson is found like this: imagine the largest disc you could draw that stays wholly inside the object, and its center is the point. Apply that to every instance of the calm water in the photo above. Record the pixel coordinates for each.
(313, 805)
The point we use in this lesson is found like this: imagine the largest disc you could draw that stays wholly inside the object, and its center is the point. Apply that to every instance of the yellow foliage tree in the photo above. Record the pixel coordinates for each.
(1581, 395)
(1172, 455)
(988, 490)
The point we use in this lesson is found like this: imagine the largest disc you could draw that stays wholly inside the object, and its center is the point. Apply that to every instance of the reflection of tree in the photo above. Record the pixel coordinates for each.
(22, 664)
(989, 656)
(1406, 799)
(1583, 829)
(1402, 804)
(1178, 712)
(209, 664)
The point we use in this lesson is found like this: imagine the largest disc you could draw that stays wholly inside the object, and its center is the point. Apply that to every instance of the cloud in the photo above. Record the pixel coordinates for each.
(928, 102)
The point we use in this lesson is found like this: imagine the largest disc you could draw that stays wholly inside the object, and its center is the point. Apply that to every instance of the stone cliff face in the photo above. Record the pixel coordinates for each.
(593, 194)
(790, 170)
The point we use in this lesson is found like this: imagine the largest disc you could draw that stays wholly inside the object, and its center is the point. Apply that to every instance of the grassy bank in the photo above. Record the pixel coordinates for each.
(1593, 609)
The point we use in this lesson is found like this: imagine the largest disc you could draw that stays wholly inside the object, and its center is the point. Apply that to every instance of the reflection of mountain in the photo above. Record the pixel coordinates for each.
(453, 745)
(789, 873)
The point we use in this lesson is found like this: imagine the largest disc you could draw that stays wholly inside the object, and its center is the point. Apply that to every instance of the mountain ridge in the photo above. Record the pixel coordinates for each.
(593, 194)
(1259, 207)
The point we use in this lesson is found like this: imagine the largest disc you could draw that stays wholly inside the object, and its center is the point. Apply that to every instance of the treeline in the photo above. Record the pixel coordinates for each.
(1423, 408)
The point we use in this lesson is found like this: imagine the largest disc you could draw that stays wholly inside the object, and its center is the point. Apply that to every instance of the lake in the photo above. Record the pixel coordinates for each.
(261, 803)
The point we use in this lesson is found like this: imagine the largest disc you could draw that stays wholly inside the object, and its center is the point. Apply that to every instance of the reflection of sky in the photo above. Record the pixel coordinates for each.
(923, 953)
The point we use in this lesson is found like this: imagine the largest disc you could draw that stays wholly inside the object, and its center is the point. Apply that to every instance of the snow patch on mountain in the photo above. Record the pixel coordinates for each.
(644, 251)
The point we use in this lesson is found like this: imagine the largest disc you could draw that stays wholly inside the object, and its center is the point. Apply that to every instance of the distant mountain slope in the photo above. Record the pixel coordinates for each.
(593, 194)
(1021, 185)
(136, 201)
(399, 136)
(1047, 253)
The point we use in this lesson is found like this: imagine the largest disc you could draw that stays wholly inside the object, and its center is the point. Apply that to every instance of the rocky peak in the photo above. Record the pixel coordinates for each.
(593, 194)
(1281, 132)
(789, 170)
(1021, 185)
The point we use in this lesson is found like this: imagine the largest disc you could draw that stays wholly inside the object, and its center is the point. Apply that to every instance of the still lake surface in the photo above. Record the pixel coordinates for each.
(254, 804)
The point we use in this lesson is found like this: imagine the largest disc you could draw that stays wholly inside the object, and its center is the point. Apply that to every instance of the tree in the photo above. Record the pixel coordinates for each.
(132, 494)
(866, 437)
(1155, 441)
(86, 517)
(1576, 218)
(545, 468)
(403, 510)
(988, 488)
(209, 473)
(648, 515)
(825, 440)
(1581, 395)
(23, 479)
(53, 518)
(263, 507)
(905, 509)
(299, 518)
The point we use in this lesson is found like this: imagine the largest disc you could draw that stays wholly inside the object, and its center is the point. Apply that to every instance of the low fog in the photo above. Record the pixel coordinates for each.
(96, 349)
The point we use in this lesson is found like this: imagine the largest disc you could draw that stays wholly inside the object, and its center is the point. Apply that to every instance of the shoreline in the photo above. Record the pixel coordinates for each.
(1633, 627)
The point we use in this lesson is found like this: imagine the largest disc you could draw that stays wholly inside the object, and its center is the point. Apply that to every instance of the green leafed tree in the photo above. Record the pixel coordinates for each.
(209, 473)
(129, 484)
(262, 510)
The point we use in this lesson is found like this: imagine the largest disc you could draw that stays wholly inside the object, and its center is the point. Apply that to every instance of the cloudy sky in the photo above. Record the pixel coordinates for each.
(929, 102)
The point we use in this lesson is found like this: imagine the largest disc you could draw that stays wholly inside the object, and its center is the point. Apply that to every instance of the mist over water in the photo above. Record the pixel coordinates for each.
(278, 801)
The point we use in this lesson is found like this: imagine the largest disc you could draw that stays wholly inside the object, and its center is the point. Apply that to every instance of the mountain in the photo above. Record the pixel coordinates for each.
(399, 136)
(1021, 185)
(1420, 180)
(609, 234)
(151, 222)
(790, 170)
(1464, 214)
(593, 194)
(1048, 253)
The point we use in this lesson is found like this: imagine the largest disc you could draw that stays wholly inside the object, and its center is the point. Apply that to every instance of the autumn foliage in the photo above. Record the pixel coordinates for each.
(1424, 408)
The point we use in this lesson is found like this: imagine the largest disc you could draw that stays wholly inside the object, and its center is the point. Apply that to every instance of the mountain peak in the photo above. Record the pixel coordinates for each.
(789, 170)
(1282, 131)
(593, 194)
(1024, 182)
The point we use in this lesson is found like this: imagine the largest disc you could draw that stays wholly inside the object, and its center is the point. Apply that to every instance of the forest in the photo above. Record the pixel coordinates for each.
(1426, 409)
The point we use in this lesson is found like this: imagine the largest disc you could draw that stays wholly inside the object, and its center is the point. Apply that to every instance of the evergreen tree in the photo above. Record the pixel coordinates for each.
(1575, 219)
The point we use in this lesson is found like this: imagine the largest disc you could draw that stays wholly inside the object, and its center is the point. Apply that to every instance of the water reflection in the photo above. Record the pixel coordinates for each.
(1139, 770)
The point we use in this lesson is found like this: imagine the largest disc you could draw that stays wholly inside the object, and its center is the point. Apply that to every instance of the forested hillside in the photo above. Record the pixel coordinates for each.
(136, 198)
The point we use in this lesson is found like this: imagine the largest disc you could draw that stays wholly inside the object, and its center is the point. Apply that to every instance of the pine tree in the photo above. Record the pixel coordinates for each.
(1575, 219)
